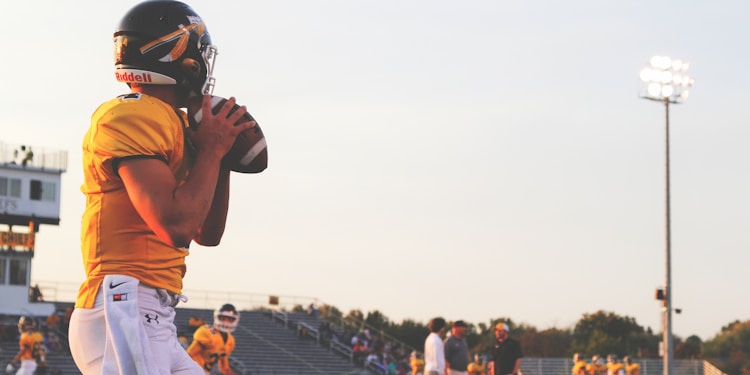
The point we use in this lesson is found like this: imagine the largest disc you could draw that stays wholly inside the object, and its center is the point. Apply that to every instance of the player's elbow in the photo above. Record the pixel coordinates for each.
(180, 240)
(177, 237)
(210, 234)
(208, 241)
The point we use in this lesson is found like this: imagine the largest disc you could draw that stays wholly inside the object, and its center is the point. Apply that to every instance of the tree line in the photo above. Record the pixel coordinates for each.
(599, 333)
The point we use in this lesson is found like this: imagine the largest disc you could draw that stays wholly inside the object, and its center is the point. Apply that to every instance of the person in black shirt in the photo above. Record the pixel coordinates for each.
(506, 353)
(456, 351)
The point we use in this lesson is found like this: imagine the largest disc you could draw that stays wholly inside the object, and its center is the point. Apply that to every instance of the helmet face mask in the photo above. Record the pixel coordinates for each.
(164, 42)
(209, 59)
(226, 318)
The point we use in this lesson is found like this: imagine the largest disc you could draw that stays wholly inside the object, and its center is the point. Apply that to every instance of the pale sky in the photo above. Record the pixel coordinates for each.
(469, 159)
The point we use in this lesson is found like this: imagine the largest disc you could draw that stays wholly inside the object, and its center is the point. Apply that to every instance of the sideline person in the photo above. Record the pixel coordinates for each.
(506, 353)
(434, 354)
(457, 356)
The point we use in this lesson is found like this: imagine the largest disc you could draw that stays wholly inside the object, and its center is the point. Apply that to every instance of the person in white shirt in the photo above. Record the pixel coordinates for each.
(434, 356)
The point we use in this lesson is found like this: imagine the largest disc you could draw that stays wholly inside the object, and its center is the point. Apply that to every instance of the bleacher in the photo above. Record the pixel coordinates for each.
(269, 347)
(270, 343)
(264, 347)
(59, 362)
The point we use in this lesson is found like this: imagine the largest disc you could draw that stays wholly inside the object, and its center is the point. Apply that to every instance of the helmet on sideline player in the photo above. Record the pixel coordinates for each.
(164, 42)
(226, 318)
(26, 322)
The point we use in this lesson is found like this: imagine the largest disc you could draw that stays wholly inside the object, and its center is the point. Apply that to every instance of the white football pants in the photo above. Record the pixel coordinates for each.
(129, 331)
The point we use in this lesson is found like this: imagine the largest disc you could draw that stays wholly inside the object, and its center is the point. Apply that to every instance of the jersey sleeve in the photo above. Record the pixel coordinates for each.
(201, 339)
(131, 128)
(202, 336)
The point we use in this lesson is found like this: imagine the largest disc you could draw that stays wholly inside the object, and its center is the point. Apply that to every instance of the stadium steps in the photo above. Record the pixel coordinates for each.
(58, 362)
(265, 347)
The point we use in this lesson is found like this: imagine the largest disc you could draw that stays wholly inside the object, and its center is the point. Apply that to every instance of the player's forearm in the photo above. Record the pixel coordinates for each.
(192, 200)
(212, 229)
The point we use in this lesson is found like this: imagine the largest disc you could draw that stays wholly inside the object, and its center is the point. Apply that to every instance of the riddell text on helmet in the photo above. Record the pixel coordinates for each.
(132, 77)
(143, 76)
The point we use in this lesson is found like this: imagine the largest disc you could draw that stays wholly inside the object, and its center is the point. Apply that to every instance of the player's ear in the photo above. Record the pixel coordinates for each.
(191, 68)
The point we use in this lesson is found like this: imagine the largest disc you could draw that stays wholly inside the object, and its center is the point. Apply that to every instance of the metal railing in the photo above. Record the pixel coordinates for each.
(30, 156)
(66, 292)
(332, 344)
(201, 299)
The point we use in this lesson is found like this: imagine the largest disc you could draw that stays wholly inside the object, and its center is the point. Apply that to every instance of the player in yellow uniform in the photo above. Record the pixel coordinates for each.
(596, 367)
(416, 363)
(212, 345)
(40, 353)
(614, 366)
(29, 347)
(478, 367)
(631, 368)
(152, 186)
(579, 365)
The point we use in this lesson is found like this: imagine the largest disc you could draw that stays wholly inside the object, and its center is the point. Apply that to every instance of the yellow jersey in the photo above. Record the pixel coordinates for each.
(579, 368)
(417, 365)
(596, 369)
(616, 368)
(114, 237)
(633, 369)
(209, 349)
(475, 368)
(38, 350)
(28, 346)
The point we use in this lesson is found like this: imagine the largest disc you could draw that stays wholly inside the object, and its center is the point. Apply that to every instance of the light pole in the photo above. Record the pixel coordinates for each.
(665, 81)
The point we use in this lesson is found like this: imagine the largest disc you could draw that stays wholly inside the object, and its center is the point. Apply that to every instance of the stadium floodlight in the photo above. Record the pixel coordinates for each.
(664, 80)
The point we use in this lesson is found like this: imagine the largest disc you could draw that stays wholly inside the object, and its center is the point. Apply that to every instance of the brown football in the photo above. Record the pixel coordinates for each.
(249, 153)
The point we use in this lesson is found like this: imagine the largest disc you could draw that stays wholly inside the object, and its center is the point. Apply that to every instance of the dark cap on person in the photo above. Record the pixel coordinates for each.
(460, 323)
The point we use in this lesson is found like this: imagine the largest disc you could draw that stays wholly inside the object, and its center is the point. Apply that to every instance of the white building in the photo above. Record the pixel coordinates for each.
(29, 198)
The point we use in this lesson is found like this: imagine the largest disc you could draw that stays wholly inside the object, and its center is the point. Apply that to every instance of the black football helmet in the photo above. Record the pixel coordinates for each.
(165, 42)
(226, 318)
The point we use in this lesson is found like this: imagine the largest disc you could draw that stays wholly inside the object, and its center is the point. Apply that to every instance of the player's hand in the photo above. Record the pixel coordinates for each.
(9, 368)
(217, 132)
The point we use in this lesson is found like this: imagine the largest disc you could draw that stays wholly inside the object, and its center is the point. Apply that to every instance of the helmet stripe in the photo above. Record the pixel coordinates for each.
(182, 36)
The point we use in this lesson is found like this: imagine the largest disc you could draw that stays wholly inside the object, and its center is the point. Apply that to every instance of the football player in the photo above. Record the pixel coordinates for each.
(152, 186)
(596, 367)
(213, 344)
(631, 368)
(478, 367)
(30, 346)
(614, 366)
(579, 365)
